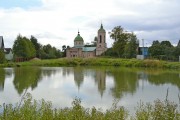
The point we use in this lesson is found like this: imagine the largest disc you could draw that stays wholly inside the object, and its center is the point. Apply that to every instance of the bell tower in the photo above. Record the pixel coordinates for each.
(101, 46)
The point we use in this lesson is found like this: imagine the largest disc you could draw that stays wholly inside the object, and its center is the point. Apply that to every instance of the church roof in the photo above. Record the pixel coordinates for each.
(101, 29)
(78, 38)
(88, 49)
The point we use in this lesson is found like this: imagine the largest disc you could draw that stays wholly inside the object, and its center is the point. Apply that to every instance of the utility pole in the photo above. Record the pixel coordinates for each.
(143, 46)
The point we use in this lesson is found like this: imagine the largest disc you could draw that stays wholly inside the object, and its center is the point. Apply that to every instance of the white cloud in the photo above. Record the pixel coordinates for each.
(57, 21)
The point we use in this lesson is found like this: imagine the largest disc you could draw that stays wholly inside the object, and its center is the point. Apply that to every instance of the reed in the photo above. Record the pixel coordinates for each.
(31, 109)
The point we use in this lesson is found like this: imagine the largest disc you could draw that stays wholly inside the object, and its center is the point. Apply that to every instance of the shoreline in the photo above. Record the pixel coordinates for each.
(118, 62)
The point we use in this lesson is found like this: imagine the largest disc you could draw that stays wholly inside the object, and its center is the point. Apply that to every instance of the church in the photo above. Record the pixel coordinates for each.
(80, 50)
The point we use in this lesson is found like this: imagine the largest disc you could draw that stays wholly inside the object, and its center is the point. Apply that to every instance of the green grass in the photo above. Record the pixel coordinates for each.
(31, 109)
(97, 62)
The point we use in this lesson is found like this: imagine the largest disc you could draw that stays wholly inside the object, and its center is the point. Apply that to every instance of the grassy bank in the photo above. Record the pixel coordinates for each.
(31, 109)
(97, 62)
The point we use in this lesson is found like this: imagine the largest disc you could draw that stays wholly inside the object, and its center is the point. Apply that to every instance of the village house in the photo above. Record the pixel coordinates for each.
(80, 50)
(8, 51)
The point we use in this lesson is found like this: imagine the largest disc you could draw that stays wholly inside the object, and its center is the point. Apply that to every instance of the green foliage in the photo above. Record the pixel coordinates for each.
(36, 45)
(49, 52)
(160, 110)
(125, 44)
(110, 52)
(148, 63)
(163, 50)
(2, 56)
(131, 47)
(31, 109)
(29, 48)
(23, 47)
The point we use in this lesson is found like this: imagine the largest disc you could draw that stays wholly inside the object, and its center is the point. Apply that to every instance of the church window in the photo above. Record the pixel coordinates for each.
(104, 39)
(100, 39)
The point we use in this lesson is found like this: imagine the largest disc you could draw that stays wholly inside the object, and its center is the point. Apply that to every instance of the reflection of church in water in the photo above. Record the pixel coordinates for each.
(99, 77)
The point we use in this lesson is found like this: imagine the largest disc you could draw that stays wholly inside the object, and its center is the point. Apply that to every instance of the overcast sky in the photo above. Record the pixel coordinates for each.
(56, 22)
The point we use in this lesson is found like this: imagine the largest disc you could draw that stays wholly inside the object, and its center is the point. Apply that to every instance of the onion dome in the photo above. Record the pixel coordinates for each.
(78, 38)
(101, 29)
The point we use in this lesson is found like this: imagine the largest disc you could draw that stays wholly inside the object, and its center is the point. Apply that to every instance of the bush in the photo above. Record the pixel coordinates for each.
(2, 56)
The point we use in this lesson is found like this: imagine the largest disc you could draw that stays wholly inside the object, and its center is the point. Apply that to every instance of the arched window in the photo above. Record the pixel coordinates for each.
(100, 39)
(104, 38)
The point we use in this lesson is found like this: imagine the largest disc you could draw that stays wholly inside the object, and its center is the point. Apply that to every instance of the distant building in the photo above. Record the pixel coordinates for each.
(80, 50)
(142, 53)
(8, 54)
(8, 51)
(1, 43)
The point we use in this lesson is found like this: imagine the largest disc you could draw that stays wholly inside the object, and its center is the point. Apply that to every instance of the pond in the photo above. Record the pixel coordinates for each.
(95, 86)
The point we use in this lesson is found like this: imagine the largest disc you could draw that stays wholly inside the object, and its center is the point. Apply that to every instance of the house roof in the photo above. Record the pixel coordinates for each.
(1, 42)
(88, 49)
(7, 50)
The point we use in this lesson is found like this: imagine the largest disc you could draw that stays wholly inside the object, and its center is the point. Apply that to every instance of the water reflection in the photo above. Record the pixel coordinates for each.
(80, 73)
(2, 79)
(95, 85)
(126, 81)
(100, 80)
(164, 77)
(26, 77)
(78, 76)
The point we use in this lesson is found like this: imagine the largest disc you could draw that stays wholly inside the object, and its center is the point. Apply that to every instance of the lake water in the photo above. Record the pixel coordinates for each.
(95, 86)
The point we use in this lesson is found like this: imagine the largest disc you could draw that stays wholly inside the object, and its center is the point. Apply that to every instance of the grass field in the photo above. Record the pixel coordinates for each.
(97, 62)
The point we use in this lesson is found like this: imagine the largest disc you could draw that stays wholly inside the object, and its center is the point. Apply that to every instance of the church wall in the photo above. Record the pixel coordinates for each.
(89, 54)
(101, 44)
(74, 52)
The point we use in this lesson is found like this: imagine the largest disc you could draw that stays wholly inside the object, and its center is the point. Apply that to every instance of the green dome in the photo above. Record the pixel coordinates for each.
(78, 38)
(101, 29)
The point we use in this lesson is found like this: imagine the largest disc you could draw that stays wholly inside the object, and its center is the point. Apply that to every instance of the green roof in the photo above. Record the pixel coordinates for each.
(88, 49)
(101, 29)
(78, 38)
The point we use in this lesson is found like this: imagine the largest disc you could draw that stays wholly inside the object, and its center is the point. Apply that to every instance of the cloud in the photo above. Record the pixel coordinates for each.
(57, 21)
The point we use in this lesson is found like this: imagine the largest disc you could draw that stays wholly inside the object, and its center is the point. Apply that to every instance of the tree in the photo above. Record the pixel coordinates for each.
(156, 49)
(162, 50)
(2, 56)
(166, 44)
(64, 50)
(131, 47)
(178, 45)
(23, 47)
(36, 45)
(123, 41)
(120, 39)
(49, 52)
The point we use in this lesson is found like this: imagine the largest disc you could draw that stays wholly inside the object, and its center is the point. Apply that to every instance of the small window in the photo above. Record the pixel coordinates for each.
(104, 38)
(100, 39)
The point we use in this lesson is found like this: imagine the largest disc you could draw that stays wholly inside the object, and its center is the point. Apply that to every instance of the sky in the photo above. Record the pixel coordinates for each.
(56, 22)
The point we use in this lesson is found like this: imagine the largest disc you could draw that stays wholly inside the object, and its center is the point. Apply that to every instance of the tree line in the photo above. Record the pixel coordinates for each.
(126, 45)
(164, 50)
(24, 47)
